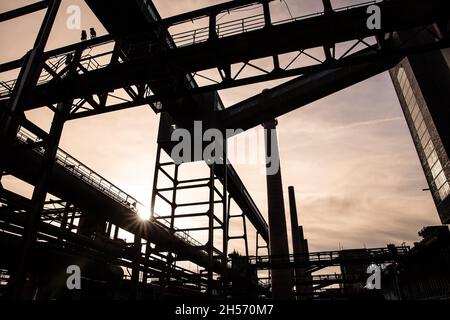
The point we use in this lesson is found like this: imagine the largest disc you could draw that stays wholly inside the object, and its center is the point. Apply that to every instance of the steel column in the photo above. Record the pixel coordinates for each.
(210, 244)
(23, 11)
(31, 227)
(28, 77)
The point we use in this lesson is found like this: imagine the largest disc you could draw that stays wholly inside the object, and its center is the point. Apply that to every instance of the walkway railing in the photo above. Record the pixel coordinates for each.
(84, 173)
(186, 38)
(335, 256)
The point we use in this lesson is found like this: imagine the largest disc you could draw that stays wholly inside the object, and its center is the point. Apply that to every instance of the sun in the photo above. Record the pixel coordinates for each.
(143, 212)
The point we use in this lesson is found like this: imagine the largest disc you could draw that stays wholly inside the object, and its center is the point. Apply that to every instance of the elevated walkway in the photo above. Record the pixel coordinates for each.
(73, 181)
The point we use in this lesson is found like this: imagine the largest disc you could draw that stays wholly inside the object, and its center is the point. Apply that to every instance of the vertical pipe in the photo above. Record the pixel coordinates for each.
(281, 278)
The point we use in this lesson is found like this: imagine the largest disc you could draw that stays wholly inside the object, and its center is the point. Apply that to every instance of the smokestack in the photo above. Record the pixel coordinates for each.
(296, 239)
(301, 252)
(294, 222)
(281, 278)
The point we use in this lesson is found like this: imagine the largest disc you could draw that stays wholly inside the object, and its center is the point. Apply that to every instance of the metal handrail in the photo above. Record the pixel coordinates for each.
(196, 36)
(84, 173)
(92, 178)
(334, 255)
(183, 235)
(247, 24)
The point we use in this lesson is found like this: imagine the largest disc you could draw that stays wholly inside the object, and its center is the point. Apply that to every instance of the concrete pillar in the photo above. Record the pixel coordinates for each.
(281, 278)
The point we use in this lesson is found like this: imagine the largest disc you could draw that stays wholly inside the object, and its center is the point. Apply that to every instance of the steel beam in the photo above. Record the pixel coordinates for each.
(297, 93)
(267, 42)
(4, 16)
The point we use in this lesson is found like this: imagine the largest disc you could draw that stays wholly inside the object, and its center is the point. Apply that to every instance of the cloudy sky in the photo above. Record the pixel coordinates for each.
(350, 157)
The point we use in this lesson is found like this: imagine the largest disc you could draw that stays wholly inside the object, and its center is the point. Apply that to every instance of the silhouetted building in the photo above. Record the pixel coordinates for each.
(424, 273)
(422, 82)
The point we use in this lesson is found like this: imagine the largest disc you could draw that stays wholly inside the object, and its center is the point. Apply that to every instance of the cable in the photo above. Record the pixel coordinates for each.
(238, 10)
(289, 9)
(223, 16)
(248, 9)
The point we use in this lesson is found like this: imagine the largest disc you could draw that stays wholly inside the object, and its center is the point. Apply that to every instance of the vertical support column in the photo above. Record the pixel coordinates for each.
(212, 26)
(71, 224)
(28, 77)
(174, 199)
(210, 244)
(136, 265)
(267, 16)
(281, 278)
(116, 232)
(268, 24)
(328, 9)
(65, 219)
(18, 280)
(225, 214)
(37, 202)
(266, 248)
(108, 230)
(146, 259)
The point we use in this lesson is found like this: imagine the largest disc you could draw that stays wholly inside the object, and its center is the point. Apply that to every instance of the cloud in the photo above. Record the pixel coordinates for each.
(367, 123)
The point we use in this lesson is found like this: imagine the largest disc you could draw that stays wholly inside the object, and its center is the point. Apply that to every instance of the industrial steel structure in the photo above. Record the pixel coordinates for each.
(142, 62)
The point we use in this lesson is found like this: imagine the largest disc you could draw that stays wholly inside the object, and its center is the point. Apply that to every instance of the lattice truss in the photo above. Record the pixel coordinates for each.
(106, 53)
